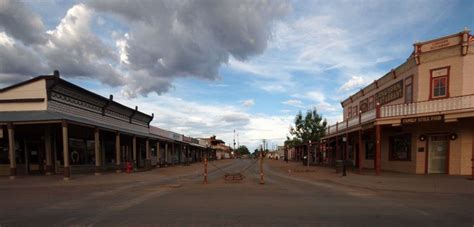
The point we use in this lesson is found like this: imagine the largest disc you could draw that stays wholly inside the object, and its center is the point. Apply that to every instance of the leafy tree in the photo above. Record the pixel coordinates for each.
(309, 127)
(242, 150)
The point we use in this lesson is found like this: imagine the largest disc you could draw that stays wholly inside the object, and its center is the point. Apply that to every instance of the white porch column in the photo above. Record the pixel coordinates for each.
(48, 150)
(11, 150)
(118, 168)
(67, 168)
(97, 151)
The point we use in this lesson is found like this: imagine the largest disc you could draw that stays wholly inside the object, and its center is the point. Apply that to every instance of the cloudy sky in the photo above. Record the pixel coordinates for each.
(211, 66)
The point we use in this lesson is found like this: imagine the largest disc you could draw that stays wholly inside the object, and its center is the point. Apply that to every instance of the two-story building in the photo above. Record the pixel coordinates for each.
(417, 118)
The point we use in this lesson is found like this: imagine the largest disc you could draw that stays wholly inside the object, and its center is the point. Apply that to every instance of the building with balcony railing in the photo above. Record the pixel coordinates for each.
(417, 118)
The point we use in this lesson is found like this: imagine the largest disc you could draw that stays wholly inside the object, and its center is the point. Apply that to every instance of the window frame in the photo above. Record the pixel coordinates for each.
(371, 103)
(364, 105)
(432, 78)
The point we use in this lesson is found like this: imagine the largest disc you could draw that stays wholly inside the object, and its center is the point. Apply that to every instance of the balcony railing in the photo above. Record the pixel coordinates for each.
(399, 110)
(432, 106)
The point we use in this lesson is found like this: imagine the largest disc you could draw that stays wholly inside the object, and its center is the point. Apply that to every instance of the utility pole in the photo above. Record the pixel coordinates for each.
(234, 139)
(238, 144)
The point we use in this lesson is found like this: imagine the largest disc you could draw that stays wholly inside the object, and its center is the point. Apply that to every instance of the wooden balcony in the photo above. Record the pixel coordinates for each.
(440, 106)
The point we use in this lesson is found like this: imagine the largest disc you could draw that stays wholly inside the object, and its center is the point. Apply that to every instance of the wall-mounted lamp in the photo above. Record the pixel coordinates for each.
(422, 138)
(453, 136)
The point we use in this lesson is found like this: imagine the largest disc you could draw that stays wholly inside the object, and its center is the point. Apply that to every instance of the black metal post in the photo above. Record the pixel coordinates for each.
(344, 159)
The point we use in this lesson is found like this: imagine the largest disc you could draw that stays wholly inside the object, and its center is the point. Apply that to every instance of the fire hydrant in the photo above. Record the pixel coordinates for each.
(129, 167)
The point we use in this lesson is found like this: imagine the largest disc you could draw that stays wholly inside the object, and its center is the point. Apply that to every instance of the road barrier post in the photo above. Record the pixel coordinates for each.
(205, 170)
(261, 168)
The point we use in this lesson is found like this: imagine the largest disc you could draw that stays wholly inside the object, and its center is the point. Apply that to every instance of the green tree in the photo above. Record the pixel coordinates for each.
(309, 127)
(242, 150)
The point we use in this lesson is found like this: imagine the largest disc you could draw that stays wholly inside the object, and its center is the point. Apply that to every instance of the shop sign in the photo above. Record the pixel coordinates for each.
(413, 120)
(435, 45)
(367, 126)
(393, 92)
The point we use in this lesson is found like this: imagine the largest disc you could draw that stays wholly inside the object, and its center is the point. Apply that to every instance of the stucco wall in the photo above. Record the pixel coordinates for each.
(447, 57)
(468, 71)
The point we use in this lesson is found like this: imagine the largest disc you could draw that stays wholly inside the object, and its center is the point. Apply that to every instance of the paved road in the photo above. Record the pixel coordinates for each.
(184, 200)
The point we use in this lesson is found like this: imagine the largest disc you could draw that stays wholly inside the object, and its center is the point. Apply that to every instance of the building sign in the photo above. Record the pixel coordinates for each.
(393, 92)
(187, 139)
(176, 136)
(435, 45)
(413, 120)
(440, 72)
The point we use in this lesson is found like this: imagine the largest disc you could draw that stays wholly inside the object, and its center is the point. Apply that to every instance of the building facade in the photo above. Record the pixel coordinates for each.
(417, 118)
(49, 125)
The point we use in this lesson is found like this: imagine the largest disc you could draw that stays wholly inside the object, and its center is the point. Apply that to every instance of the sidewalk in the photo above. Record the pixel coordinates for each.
(107, 178)
(386, 181)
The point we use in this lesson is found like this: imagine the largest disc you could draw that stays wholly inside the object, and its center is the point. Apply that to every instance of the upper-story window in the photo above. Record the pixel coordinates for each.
(363, 106)
(371, 103)
(409, 89)
(354, 111)
(439, 85)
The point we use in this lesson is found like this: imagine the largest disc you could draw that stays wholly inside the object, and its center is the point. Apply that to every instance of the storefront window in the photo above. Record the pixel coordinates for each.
(81, 151)
(3, 146)
(400, 148)
(4, 153)
(369, 150)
